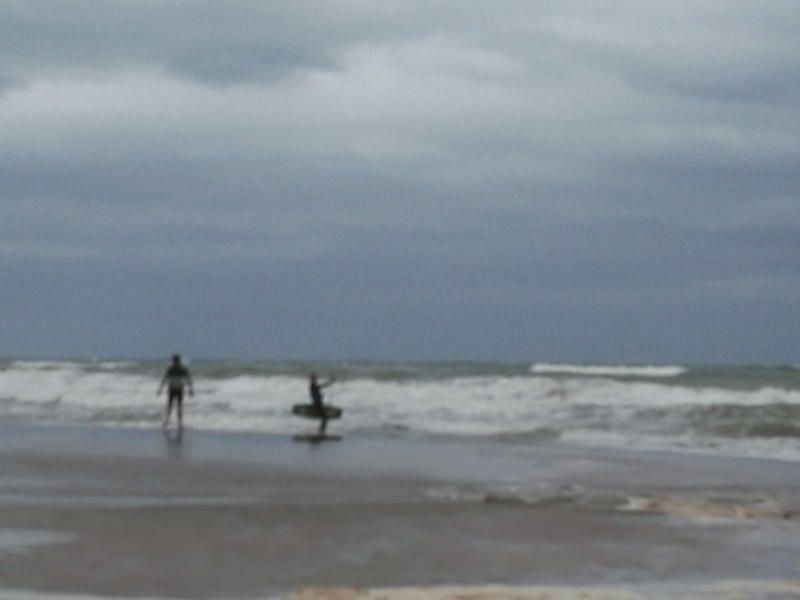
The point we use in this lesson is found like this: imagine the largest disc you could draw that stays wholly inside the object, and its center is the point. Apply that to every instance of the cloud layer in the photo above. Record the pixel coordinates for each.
(562, 181)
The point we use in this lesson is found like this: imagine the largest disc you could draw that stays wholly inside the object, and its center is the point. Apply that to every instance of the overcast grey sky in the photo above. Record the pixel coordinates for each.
(609, 181)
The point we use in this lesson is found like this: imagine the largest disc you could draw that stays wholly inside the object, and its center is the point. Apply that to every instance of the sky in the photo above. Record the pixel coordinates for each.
(596, 181)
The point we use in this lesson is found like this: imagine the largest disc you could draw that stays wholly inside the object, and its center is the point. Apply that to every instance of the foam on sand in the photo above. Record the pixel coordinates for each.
(739, 590)
(29, 595)
(710, 509)
(726, 590)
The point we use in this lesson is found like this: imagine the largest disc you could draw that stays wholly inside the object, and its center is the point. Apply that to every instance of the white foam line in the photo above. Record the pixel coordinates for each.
(738, 590)
(613, 370)
(720, 590)
(18, 539)
(28, 595)
(16, 594)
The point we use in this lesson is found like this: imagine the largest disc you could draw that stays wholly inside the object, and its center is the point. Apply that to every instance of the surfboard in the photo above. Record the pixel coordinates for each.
(316, 438)
(309, 412)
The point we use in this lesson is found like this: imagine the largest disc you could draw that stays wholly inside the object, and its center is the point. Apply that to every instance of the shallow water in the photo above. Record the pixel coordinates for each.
(246, 515)
(734, 411)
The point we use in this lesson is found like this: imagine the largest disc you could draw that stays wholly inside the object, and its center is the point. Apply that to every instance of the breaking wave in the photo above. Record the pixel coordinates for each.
(738, 410)
(608, 370)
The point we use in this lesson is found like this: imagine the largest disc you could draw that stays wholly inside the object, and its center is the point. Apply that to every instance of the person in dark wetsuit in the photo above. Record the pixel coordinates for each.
(315, 391)
(176, 379)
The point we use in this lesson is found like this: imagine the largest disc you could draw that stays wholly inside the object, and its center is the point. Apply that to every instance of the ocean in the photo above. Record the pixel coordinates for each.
(558, 480)
(727, 410)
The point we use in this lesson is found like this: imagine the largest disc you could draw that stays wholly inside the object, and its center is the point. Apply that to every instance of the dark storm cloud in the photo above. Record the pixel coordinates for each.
(210, 41)
(207, 40)
(570, 180)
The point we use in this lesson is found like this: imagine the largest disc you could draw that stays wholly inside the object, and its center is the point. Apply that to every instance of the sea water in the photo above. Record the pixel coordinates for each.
(730, 410)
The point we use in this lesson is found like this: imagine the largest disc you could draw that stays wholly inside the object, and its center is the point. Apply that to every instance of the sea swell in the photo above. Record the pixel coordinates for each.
(639, 371)
(747, 410)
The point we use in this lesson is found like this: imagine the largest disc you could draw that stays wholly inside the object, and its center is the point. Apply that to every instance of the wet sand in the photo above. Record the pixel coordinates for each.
(132, 513)
(732, 590)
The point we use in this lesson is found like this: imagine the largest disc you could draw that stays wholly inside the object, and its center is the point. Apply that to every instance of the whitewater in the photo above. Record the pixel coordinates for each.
(732, 410)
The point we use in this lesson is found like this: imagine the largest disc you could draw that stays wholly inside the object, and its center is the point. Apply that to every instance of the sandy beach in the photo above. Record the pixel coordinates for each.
(134, 513)
(532, 264)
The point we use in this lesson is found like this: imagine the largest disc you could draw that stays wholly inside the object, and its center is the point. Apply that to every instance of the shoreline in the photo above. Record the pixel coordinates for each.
(732, 589)
(248, 446)
(442, 459)
(119, 512)
(51, 464)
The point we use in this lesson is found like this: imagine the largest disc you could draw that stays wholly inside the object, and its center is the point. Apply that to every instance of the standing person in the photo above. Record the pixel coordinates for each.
(176, 378)
(315, 391)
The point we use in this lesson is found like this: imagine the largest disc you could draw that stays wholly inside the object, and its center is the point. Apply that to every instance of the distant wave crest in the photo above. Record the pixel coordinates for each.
(609, 370)
(741, 410)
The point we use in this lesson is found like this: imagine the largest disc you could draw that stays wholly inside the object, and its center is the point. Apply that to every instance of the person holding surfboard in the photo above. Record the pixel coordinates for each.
(315, 388)
(176, 378)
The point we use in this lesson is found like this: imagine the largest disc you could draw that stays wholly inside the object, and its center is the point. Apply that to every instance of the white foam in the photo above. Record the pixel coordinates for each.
(114, 364)
(16, 540)
(661, 590)
(37, 365)
(609, 370)
(594, 410)
(658, 590)
(9, 594)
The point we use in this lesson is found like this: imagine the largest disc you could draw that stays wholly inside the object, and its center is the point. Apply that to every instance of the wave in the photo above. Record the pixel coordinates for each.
(42, 365)
(766, 420)
(695, 412)
(608, 370)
